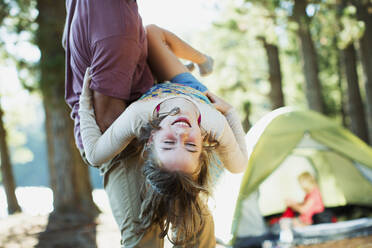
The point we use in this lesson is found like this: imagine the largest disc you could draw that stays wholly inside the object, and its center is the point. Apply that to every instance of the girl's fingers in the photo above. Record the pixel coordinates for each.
(213, 100)
(86, 83)
(211, 96)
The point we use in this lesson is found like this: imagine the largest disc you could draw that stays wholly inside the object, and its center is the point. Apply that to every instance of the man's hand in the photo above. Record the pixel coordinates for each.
(107, 109)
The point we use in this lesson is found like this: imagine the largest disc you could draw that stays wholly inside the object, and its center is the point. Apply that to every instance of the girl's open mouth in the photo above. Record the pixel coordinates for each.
(182, 120)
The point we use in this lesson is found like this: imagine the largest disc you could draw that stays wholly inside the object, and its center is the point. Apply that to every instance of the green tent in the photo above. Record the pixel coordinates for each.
(285, 143)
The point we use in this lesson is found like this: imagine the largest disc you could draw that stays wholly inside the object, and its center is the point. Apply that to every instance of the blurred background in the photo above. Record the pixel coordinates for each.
(314, 54)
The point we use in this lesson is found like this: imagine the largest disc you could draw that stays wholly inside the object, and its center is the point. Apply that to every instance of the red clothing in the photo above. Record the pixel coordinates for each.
(316, 207)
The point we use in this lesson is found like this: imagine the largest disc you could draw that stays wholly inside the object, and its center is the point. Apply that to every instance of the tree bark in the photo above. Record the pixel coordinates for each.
(340, 68)
(6, 171)
(69, 175)
(275, 76)
(313, 89)
(50, 150)
(366, 57)
(247, 111)
(355, 103)
(340, 84)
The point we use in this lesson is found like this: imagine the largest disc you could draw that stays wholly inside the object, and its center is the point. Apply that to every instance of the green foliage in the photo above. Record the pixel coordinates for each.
(324, 32)
(19, 112)
(4, 10)
(241, 71)
(19, 27)
(21, 37)
(241, 74)
(22, 15)
(351, 28)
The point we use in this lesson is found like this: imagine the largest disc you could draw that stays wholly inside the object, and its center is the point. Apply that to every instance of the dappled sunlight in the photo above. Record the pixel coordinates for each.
(26, 229)
(272, 59)
(204, 12)
(39, 200)
(21, 230)
(33, 200)
(222, 204)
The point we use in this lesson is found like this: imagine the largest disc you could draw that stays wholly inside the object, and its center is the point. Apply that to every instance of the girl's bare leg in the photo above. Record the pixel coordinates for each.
(164, 50)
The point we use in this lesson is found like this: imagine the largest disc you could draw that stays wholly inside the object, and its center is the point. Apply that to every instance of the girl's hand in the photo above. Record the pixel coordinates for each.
(85, 100)
(86, 82)
(220, 104)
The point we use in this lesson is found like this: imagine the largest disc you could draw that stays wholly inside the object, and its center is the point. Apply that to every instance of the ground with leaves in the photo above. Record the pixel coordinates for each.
(25, 231)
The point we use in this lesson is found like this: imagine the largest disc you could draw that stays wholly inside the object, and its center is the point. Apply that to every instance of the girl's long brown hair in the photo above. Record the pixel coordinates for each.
(173, 199)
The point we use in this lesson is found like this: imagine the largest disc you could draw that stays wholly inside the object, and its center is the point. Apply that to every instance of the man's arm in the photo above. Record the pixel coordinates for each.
(107, 109)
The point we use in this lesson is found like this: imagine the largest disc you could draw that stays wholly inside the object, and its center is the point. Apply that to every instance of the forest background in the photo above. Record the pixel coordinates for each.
(314, 54)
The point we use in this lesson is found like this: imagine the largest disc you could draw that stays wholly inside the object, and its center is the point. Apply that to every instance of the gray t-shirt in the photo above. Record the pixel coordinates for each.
(108, 36)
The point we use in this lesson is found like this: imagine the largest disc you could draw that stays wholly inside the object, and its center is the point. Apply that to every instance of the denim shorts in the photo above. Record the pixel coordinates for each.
(189, 80)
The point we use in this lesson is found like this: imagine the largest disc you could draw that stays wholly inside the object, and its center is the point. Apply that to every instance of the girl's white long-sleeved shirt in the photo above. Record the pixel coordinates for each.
(100, 148)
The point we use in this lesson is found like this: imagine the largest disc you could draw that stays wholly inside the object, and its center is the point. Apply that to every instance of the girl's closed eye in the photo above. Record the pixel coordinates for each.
(169, 142)
(191, 147)
(190, 144)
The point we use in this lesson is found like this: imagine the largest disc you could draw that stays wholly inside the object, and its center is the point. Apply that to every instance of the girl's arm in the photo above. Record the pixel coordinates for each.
(301, 207)
(100, 148)
(232, 147)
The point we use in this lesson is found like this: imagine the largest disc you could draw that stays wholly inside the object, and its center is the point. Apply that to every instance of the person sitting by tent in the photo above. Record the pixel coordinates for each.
(311, 205)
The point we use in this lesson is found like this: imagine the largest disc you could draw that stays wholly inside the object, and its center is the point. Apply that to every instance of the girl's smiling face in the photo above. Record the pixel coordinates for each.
(178, 142)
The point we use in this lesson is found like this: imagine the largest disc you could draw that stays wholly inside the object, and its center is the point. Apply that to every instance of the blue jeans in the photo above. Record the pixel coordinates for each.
(189, 80)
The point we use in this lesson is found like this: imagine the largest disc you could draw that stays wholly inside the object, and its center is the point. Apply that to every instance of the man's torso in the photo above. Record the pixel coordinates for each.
(109, 37)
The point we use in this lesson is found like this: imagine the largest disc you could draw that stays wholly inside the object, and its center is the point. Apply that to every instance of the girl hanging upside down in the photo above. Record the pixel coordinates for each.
(176, 126)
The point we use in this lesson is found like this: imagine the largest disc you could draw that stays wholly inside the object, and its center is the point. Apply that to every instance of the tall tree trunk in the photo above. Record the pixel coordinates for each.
(6, 171)
(275, 74)
(355, 103)
(50, 150)
(340, 84)
(364, 14)
(247, 111)
(69, 176)
(313, 87)
(340, 72)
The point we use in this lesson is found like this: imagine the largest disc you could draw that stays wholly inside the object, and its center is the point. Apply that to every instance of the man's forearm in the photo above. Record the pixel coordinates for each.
(107, 109)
